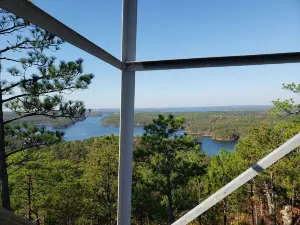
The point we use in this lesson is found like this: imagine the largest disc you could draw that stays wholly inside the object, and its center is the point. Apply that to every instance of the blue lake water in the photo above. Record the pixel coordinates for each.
(91, 127)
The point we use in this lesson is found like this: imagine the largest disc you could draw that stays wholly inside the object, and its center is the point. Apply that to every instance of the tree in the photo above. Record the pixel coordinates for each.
(20, 137)
(100, 180)
(147, 207)
(170, 159)
(46, 187)
(249, 152)
(268, 188)
(219, 173)
(35, 87)
(288, 177)
(288, 106)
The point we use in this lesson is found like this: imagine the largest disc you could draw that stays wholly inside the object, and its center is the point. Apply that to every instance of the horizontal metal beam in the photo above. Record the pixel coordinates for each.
(243, 178)
(35, 15)
(243, 60)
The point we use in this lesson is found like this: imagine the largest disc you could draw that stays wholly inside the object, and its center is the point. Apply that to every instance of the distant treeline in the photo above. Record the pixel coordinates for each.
(43, 120)
(40, 120)
(219, 125)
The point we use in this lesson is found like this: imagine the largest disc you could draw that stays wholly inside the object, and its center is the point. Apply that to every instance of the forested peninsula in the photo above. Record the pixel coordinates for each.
(219, 125)
(60, 122)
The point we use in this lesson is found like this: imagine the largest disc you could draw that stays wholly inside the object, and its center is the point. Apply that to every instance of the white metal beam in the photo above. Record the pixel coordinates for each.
(243, 178)
(242, 60)
(127, 112)
(30, 12)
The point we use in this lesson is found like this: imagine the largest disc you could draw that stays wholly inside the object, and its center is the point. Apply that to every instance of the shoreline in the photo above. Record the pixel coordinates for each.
(62, 126)
(188, 132)
(55, 127)
(210, 135)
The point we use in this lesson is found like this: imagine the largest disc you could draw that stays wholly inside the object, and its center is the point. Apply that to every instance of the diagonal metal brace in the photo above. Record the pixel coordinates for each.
(243, 178)
(35, 15)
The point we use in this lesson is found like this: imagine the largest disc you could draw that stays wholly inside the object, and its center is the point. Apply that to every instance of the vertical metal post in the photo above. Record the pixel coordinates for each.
(129, 24)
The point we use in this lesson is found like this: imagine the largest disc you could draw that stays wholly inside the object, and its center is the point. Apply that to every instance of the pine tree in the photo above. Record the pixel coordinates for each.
(170, 159)
(34, 87)
(100, 180)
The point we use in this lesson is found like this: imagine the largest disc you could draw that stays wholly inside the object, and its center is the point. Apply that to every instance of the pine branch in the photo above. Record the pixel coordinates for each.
(27, 44)
(24, 148)
(8, 59)
(40, 93)
(23, 81)
(13, 47)
(19, 163)
(14, 97)
(39, 114)
(34, 63)
(11, 86)
(12, 29)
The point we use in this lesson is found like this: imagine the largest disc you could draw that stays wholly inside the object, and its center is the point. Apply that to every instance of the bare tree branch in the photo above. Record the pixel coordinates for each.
(23, 81)
(38, 94)
(38, 114)
(20, 117)
(16, 46)
(24, 148)
(14, 60)
(12, 29)
(11, 86)
(14, 97)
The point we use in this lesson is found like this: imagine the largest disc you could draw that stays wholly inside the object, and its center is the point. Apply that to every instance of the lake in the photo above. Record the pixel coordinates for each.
(91, 127)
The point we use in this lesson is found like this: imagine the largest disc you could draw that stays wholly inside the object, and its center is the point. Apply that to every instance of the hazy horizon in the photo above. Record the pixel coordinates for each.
(190, 106)
(195, 108)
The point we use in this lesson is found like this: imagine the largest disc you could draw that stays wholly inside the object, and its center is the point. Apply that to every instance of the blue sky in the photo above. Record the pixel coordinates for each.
(181, 29)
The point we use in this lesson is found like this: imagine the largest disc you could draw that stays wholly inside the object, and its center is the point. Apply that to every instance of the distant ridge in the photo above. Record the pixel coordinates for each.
(196, 109)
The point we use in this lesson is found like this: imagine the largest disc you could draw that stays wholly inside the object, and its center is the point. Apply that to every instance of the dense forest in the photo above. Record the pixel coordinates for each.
(219, 125)
(76, 182)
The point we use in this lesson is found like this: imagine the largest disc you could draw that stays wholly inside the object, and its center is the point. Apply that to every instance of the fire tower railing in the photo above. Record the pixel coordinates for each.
(128, 65)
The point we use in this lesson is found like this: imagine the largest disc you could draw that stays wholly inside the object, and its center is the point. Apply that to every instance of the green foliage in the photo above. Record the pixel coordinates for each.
(101, 180)
(56, 188)
(288, 106)
(53, 185)
(36, 84)
(21, 137)
(222, 168)
(166, 161)
(35, 87)
(76, 182)
(35, 99)
(263, 197)
(37, 40)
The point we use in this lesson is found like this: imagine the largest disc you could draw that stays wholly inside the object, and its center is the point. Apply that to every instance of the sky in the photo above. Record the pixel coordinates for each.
(169, 29)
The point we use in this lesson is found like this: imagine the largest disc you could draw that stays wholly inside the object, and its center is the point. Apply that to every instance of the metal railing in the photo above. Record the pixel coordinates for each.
(128, 66)
(243, 178)
(35, 15)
